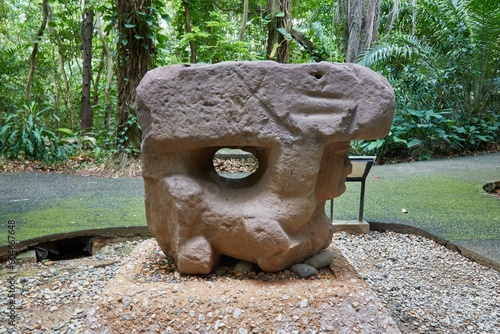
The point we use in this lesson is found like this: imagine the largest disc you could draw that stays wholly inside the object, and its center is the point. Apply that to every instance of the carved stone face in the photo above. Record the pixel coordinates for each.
(298, 121)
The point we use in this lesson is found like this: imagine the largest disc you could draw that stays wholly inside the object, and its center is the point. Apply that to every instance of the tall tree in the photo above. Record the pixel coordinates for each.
(360, 19)
(87, 115)
(272, 27)
(106, 52)
(192, 45)
(279, 12)
(45, 15)
(135, 46)
(284, 26)
(244, 20)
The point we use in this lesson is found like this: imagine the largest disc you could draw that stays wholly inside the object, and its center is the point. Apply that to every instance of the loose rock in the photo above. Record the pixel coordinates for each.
(303, 270)
(320, 260)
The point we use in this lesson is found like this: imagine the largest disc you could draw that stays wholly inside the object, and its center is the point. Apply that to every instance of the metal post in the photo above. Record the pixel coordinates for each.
(362, 201)
(331, 210)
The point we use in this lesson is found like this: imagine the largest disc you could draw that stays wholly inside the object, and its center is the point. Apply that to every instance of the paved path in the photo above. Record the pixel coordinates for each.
(443, 197)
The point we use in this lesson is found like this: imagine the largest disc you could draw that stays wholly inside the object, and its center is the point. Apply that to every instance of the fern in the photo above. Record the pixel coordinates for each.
(404, 48)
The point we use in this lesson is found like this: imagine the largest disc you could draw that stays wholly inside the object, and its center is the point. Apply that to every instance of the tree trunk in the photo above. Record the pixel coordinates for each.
(354, 22)
(133, 59)
(45, 9)
(109, 72)
(87, 114)
(394, 15)
(370, 25)
(284, 24)
(413, 16)
(272, 28)
(57, 97)
(62, 70)
(362, 19)
(244, 20)
(278, 43)
(192, 45)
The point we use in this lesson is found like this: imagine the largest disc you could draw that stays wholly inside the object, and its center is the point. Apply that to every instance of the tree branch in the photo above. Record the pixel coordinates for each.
(222, 8)
(306, 44)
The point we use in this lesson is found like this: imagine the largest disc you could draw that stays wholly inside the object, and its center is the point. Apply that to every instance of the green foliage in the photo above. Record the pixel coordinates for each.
(423, 133)
(80, 141)
(25, 135)
(441, 58)
(445, 77)
(122, 138)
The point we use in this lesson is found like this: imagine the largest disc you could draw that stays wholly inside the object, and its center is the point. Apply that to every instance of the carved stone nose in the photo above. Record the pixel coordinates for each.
(299, 133)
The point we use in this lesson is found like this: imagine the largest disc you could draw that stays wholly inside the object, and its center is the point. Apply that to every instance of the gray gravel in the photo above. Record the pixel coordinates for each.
(54, 297)
(425, 287)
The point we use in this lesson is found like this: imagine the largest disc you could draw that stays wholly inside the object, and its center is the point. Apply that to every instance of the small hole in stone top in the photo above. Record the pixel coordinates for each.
(317, 75)
(235, 163)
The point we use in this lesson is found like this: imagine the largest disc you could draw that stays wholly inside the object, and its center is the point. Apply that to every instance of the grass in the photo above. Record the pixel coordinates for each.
(60, 215)
(452, 208)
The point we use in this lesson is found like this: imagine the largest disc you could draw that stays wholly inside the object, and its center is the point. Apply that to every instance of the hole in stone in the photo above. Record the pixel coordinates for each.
(234, 163)
(317, 75)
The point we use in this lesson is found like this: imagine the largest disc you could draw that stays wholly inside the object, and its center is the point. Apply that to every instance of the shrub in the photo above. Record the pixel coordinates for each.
(25, 135)
(422, 133)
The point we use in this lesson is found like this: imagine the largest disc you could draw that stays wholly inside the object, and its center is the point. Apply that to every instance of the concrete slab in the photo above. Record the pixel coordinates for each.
(351, 226)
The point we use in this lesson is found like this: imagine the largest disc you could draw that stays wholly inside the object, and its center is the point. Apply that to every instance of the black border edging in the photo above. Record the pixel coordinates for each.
(408, 229)
(111, 232)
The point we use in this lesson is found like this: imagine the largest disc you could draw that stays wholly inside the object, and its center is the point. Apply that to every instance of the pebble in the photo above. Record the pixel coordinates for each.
(244, 267)
(236, 313)
(220, 270)
(303, 270)
(320, 260)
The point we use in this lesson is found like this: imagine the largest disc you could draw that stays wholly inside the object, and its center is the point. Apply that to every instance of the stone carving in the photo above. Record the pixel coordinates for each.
(298, 121)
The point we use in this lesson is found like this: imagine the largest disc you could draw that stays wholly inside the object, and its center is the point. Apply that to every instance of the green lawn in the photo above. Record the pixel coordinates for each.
(449, 207)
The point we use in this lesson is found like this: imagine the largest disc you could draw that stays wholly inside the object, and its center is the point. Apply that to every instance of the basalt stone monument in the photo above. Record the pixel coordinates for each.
(298, 120)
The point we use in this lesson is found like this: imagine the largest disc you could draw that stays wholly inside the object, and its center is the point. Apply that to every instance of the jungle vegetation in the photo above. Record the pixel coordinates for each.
(69, 69)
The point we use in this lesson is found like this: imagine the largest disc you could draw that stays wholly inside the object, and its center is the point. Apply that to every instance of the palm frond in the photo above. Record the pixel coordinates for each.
(406, 47)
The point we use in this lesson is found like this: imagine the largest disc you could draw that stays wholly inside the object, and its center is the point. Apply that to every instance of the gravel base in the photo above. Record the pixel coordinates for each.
(424, 286)
(55, 297)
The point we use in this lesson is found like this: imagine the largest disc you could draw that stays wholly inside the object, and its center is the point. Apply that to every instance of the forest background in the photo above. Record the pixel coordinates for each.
(69, 69)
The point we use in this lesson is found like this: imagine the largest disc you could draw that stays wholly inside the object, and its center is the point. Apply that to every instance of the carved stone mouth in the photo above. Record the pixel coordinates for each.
(322, 94)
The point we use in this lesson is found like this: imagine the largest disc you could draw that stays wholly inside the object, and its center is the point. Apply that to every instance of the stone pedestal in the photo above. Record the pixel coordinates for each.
(144, 297)
(297, 120)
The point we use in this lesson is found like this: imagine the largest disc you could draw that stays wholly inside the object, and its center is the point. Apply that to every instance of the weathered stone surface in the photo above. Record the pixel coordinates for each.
(298, 121)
